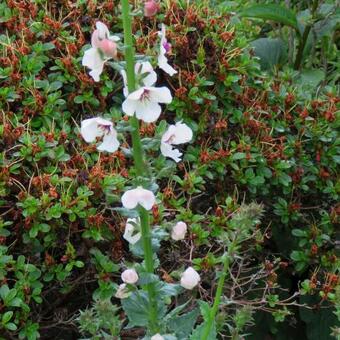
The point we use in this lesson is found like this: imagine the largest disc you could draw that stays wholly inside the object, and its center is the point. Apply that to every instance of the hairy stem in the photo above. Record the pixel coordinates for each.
(218, 294)
(303, 39)
(140, 165)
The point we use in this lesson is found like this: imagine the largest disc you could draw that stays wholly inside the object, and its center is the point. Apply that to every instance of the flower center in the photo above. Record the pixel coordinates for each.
(106, 128)
(145, 96)
(167, 46)
(171, 139)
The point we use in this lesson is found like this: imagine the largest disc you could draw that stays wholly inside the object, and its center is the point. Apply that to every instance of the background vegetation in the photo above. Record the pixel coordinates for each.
(261, 96)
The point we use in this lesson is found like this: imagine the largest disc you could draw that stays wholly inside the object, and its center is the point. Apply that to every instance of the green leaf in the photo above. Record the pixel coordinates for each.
(136, 308)
(198, 332)
(238, 155)
(4, 290)
(183, 324)
(7, 316)
(272, 52)
(273, 12)
(11, 326)
(311, 78)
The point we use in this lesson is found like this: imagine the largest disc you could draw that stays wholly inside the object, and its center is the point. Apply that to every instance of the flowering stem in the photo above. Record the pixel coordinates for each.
(131, 82)
(214, 309)
(141, 168)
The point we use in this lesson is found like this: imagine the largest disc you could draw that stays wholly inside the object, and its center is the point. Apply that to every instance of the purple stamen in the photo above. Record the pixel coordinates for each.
(145, 95)
(167, 46)
(105, 127)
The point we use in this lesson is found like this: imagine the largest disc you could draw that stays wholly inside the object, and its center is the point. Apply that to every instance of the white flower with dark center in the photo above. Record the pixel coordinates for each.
(164, 49)
(176, 134)
(97, 127)
(130, 233)
(178, 231)
(145, 102)
(190, 278)
(139, 196)
(103, 48)
(145, 75)
(130, 276)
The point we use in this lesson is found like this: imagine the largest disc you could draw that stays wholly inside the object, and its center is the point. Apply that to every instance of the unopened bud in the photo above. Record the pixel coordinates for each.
(151, 7)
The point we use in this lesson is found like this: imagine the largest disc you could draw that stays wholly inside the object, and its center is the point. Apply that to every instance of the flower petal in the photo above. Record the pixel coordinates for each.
(93, 60)
(164, 65)
(146, 199)
(148, 111)
(90, 130)
(110, 142)
(103, 31)
(160, 94)
(95, 40)
(129, 234)
(190, 278)
(141, 196)
(136, 95)
(146, 67)
(168, 151)
(183, 134)
(129, 106)
(130, 199)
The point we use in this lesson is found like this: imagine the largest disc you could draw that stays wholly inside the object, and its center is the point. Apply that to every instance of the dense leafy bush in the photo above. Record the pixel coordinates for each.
(259, 137)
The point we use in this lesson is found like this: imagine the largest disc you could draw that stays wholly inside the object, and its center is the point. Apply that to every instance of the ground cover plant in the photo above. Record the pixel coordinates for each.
(169, 170)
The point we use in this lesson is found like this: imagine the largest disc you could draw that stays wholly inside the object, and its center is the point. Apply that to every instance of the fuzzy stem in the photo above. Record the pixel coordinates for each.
(140, 165)
(218, 294)
(303, 39)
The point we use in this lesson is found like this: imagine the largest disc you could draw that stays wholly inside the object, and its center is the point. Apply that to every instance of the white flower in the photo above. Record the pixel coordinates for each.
(141, 196)
(157, 337)
(98, 127)
(103, 48)
(164, 49)
(122, 291)
(144, 102)
(130, 235)
(178, 231)
(144, 74)
(176, 134)
(190, 278)
(130, 276)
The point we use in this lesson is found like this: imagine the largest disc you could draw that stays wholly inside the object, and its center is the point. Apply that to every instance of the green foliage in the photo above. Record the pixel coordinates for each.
(273, 12)
(272, 52)
(270, 138)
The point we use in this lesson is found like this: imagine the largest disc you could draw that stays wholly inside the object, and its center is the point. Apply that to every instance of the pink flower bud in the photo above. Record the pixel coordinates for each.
(108, 47)
(178, 231)
(129, 276)
(151, 7)
(190, 278)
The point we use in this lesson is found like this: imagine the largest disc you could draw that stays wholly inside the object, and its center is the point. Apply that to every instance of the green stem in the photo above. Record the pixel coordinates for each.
(218, 294)
(149, 264)
(138, 156)
(131, 82)
(303, 40)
